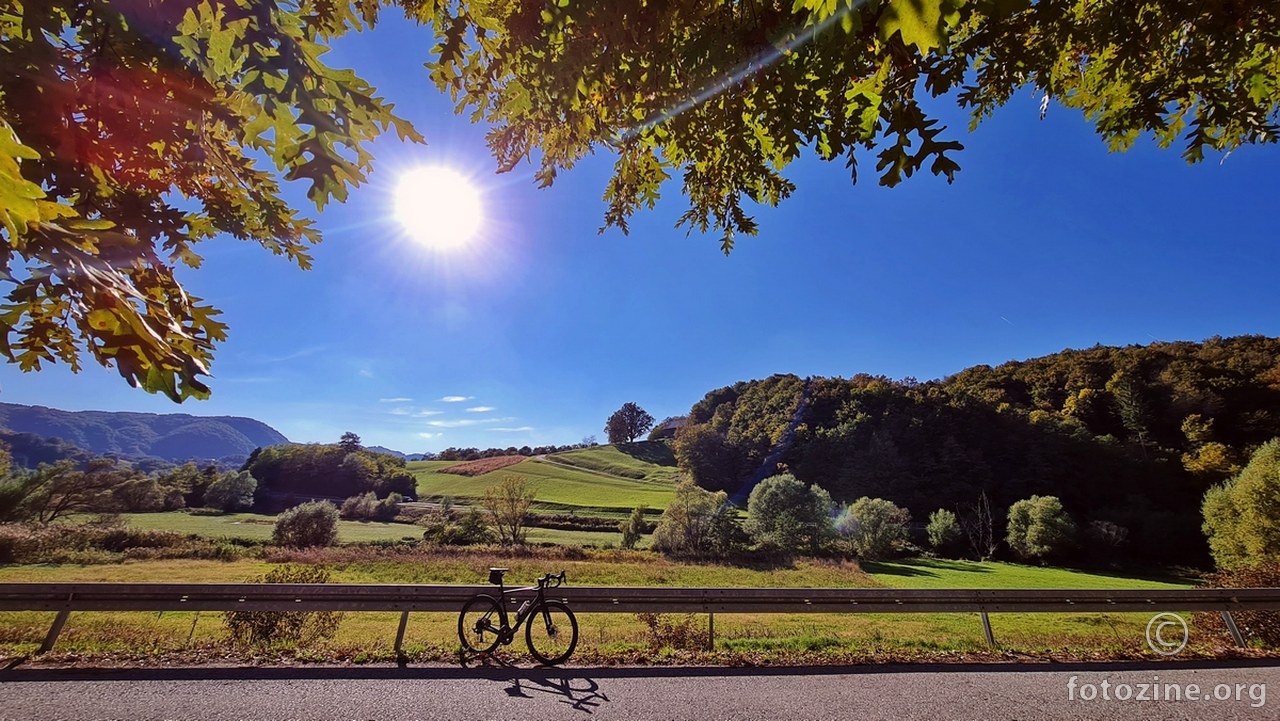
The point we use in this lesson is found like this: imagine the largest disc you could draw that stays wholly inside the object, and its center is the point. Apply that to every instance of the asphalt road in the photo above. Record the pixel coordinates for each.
(987, 692)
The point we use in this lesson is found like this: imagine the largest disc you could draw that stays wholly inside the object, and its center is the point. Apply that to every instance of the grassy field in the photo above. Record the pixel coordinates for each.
(643, 460)
(613, 637)
(255, 527)
(559, 488)
(938, 573)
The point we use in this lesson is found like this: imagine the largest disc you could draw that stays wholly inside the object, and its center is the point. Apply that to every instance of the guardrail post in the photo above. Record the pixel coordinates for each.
(52, 637)
(986, 629)
(1235, 630)
(404, 621)
(711, 632)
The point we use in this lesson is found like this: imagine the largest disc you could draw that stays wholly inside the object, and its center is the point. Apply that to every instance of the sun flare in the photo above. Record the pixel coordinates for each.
(438, 207)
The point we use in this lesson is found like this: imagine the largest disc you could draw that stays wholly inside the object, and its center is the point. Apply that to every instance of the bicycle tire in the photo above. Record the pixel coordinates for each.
(545, 633)
(480, 624)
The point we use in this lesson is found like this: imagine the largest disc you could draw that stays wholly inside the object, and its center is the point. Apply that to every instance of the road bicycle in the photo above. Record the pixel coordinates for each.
(550, 631)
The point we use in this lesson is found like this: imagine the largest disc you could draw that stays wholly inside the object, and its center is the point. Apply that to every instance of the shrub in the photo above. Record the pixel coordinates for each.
(697, 523)
(943, 530)
(442, 528)
(1242, 516)
(682, 632)
(632, 528)
(367, 507)
(785, 514)
(262, 628)
(1040, 528)
(309, 524)
(876, 527)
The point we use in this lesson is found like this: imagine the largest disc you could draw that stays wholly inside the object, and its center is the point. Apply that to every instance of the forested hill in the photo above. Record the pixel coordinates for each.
(1131, 435)
(171, 436)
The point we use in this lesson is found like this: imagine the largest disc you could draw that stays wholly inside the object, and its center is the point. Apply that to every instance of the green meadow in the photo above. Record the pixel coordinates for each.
(560, 485)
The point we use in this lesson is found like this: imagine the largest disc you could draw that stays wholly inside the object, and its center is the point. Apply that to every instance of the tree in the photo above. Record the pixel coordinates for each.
(727, 94)
(707, 456)
(784, 513)
(56, 490)
(978, 525)
(1242, 515)
(943, 529)
(231, 492)
(350, 442)
(697, 523)
(508, 503)
(877, 527)
(632, 528)
(314, 523)
(130, 132)
(1039, 528)
(627, 423)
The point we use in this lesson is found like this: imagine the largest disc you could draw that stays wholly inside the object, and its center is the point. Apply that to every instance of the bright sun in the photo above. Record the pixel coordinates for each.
(438, 207)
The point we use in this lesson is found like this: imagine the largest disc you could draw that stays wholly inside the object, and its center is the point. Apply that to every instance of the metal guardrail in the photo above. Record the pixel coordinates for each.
(64, 598)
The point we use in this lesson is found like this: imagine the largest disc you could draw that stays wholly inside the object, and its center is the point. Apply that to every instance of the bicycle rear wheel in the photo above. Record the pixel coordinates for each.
(480, 624)
(551, 632)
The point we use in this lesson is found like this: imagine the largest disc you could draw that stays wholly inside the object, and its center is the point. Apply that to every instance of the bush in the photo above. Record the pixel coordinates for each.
(1040, 528)
(632, 528)
(876, 527)
(309, 524)
(943, 530)
(683, 632)
(442, 528)
(262, 628)
(785, 514)
(1242, 516)
(697, 523)
(367, 507)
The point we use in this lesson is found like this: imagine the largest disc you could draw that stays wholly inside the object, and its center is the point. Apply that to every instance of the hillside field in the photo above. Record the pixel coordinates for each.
(602, 480)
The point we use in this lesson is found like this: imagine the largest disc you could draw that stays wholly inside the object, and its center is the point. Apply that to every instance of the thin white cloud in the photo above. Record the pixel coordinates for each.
(427, 412)
(452, 424)
(521, 429)
(395, 400)
(480, 409)
(401, 411)
(429, 436)
(364, 373)
(456, 399)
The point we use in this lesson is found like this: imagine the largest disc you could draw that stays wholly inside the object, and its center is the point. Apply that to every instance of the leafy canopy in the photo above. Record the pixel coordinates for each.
(726, 94)
(132, 130)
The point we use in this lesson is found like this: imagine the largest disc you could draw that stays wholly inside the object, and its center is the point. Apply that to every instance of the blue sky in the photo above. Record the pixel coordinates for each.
(539, 330)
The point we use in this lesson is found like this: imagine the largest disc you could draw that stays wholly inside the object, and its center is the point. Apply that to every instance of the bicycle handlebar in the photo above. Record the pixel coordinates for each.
(551, 580)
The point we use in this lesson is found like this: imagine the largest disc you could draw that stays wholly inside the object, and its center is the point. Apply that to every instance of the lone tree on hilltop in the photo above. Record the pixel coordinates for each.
(350, 442)
(627, 423)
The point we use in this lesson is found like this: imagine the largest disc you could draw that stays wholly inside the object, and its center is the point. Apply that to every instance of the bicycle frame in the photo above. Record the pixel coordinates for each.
(507, 632)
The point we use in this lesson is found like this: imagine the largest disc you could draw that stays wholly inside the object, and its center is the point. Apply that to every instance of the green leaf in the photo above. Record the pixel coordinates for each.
(923, 23)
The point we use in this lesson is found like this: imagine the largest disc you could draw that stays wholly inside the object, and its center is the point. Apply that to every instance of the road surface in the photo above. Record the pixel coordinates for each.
(1234, 690)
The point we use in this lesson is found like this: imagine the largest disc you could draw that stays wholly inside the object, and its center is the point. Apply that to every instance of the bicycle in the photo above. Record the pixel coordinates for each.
(551, 630)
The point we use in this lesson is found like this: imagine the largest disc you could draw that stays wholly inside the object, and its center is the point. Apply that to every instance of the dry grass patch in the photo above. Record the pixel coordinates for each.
(483, 466)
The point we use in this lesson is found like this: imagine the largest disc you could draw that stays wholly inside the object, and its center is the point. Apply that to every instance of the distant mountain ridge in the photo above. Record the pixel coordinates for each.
(171, 436)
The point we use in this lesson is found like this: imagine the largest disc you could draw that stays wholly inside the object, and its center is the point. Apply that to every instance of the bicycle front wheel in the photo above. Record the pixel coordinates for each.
(480, 624)
(551, 632)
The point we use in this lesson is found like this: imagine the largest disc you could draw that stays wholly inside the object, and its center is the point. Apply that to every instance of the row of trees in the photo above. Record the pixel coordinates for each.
(104, 485)
(786, 515)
